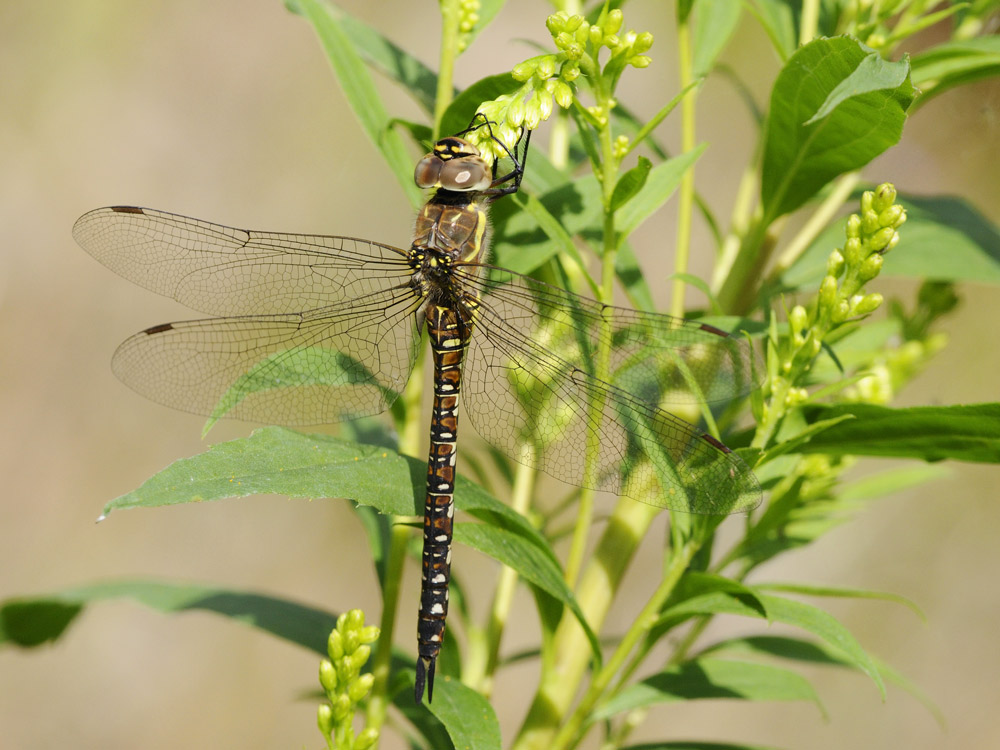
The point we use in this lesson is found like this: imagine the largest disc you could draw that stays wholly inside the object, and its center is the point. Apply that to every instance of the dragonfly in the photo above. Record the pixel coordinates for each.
(313, 329)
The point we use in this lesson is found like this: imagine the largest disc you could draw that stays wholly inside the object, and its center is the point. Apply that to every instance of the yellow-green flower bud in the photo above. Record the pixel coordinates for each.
(545, 107)
(620, 146)
(828, 292)
(335, 645)
(642, 42)
(563, 95)
(853, 251)
(515, 113)
(361, 654)
(881, 239)
(564, 40)
(640, 61)
(870, 267)
(573, 23)
(570, 71)
(351, 641)
(582, 34)
(327, 676)
(796, 396)
(853, 228)
(613, 22)
(840, 312)
(892, 243)
(596, 36)
(556, 23)
(360, 687)
(341, 708)
(867, 202)
(546, 67)
(366, 739)
(611, 41)
(324, 719)
(798, 319)
(835, 264)
(892, 216)
(885, 196)
(370, 633)
(868, 304)
(869, 222)
(523, 71)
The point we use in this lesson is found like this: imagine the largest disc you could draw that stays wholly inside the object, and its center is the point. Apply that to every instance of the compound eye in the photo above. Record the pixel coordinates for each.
(427, 173)
(465, 174)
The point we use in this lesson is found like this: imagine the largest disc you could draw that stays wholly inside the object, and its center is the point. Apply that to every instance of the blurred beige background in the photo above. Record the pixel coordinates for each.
(227, 111)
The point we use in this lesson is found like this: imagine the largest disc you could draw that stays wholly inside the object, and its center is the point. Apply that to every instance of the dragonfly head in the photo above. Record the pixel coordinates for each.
(454, 164)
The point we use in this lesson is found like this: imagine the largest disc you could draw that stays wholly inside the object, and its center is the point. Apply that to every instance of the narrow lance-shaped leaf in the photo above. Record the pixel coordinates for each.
(359, 89)
(932, 433)
(712, 678)
(35, 620)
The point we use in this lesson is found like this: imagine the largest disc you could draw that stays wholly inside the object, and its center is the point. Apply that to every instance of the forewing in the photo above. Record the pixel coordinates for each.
(220, 270)
(339, 362)
(530, 380)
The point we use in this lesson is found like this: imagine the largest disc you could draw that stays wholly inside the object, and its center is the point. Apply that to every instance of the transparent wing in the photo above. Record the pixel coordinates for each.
(339, 362)
(220, 270)
(530, 380)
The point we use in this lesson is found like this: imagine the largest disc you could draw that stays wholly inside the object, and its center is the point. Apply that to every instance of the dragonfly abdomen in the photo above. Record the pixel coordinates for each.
(449, 330)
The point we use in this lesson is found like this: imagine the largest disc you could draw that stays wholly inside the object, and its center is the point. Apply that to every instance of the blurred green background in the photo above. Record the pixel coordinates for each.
(227, 111)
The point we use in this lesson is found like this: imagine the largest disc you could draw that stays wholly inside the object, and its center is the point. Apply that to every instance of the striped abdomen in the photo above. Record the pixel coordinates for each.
(449, 331)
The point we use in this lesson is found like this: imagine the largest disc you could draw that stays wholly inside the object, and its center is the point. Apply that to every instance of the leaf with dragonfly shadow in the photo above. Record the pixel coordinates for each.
(301, 368)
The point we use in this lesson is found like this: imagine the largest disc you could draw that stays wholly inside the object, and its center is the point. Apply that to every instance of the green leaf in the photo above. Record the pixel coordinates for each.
(792, 445)
(777, 20)
(30, 622)
(779, 609)
(630, 183)
(956, 63)
(800, 650)
(840, 592)
(298, 368)
(660, 185)
(716, 21)
(274, 460)
(932, 433)
(944, 239)
(467, 716)
(711, 678)
(359, 89)
(520, 245)
(835, 106)
(395, 63)
(532, 560)
(888, 482)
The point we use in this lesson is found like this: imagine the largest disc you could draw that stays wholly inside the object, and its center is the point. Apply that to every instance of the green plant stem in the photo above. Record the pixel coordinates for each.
(524, 486)
(409, 444)
(736, 296)
(809, 23)
(379, 701)
(820, 218)
(739, 223)
(570, 733)
(564, 668)
(685, 197)
(608, 177)
(450, 16)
